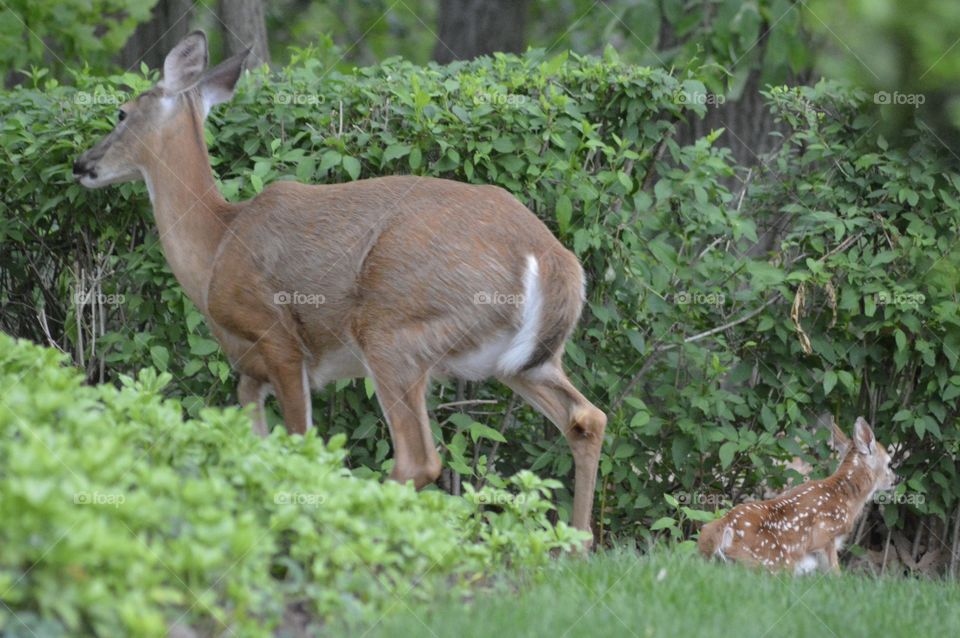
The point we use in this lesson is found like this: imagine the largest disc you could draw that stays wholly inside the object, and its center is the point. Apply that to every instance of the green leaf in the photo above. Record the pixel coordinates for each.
(504, 145)
(829, 381)
(396, 151)
(416, 158)
(900, 338)
(727, 450)
(352, 166)
(329, 160)
(201, 346)
(480, 431)
(160, 357)
(846, 378)
(640, 418)
(902, 415)
(663, 523)
(768, 418)
(624, 450)
(698, 515)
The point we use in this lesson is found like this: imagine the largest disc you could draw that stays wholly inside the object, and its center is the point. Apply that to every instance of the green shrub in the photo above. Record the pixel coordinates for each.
(687, 338)
(122, 518)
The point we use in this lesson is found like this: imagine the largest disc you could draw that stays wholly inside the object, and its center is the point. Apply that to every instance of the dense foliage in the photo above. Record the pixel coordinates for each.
(122, 518)
(712, 350)
(47, 34)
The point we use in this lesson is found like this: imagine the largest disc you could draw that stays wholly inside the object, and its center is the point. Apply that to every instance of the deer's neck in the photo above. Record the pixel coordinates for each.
(855, 482)
(190, 212)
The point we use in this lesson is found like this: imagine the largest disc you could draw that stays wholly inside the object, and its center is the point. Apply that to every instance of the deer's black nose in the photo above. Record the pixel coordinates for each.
(82, 168)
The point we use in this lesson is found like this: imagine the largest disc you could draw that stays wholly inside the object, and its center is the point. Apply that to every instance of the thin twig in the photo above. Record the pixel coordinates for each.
(747, 317)
(454, 404)
(843, 246)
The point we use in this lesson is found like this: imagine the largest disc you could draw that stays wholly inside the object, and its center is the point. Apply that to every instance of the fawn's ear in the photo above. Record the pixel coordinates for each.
(863, 437)
(218, 84)
(185, 63)
(838, 440)
(726, 540)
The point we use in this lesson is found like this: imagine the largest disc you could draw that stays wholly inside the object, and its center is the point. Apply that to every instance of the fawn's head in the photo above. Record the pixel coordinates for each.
(866, 450)
(180, 100)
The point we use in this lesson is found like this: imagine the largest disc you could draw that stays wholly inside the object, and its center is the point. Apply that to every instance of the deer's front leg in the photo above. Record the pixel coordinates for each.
(832, 561)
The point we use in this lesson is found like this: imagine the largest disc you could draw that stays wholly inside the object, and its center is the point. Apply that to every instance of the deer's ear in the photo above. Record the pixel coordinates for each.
(185, 63)
(838, 440)
(219, 82)
(863, 437)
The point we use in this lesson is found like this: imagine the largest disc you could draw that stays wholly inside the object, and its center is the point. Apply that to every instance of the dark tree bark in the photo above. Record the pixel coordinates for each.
(154, 38)
(244, 27)
(471, 28)
(750, 131)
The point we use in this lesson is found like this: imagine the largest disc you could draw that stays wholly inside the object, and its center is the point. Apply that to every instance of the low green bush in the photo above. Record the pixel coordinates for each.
(123, 518)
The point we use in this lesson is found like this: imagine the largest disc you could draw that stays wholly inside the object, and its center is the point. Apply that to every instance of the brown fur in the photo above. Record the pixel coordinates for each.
(399, 263)
(808, 521)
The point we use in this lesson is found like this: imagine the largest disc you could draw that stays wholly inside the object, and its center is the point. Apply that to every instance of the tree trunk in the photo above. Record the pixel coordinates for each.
(471, 28)
(155, 37)
(244, 27)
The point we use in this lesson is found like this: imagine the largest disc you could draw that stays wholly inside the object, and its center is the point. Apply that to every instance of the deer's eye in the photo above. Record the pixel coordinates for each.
(121, 115)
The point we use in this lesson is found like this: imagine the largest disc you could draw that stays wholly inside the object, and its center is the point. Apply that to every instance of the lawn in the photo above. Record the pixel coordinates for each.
(622, 593)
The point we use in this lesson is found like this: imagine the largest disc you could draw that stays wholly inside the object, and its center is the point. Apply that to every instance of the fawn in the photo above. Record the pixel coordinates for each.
(399, 278)
(807, 522)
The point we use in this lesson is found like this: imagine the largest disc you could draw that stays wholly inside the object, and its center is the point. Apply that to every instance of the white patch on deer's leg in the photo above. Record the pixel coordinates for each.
(524, 342)
(308, 409)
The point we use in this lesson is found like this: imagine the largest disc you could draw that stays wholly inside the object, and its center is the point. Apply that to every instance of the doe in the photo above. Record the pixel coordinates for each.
(397, 278)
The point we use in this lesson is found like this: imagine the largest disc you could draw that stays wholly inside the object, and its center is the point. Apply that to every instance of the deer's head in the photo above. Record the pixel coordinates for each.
(181, 99)
(866, 450)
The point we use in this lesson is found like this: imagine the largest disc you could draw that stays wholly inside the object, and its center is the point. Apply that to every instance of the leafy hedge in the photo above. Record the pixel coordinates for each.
(123, 518)
(689, 338)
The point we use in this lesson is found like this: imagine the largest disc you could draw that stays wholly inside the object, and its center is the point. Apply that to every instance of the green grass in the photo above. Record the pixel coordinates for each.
(666, 594)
